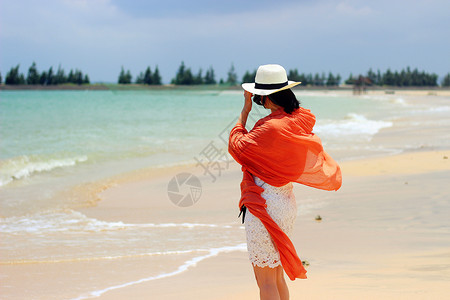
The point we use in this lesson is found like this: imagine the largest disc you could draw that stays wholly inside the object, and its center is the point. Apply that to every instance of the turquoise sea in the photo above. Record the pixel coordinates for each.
(51, 141)
(46, 130)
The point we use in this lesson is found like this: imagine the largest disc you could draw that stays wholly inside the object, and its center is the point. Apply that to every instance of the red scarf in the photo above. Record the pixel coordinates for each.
(281, 148)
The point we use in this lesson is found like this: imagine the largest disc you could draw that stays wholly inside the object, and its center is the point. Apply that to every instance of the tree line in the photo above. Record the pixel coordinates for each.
(147, 77)
(185, 76)
(404, 78)
(50, 77)
(305, 79)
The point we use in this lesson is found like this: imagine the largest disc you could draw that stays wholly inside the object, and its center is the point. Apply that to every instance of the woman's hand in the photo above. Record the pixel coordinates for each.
(248, 101)
(246, 109)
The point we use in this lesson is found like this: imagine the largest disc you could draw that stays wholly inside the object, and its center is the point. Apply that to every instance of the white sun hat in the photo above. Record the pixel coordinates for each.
(269, 79)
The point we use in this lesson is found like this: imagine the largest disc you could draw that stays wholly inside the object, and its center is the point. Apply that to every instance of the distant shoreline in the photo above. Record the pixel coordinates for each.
(105, 87)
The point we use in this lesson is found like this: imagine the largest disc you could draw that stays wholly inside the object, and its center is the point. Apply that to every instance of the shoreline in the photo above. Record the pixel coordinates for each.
(389, 90)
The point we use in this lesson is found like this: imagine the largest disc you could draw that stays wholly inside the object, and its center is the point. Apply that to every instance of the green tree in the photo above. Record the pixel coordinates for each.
(209, 76)
(372, 76)
(33, 75)
(415, 78)
(50, 76)
(303, 79)
(71, 77)
(128, 76)
(319, 79)
(124, 78)
(13, 77)
(1, 79)
(350, 79)
(338, 79)
(86, 79)
(60, 77)
(78, 77)
(187, 77)
(445, 81)
(140, 78)
(198, 79)
(331, 80)
(121, 76)
(433, 79)
(401, 81)
(294, 75)
(407, 79)
(388, 78)
(249, 77)
(309, 79)
(156, 78)
(148, 76)
(232, 77)
(180, 74)
(184, 76)
(43, 78)
(379, 78)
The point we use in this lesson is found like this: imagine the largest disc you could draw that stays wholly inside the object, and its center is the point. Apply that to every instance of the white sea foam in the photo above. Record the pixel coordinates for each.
(24, 166)
(400, 101)
(73, 221)
(97, 258)
(439, 109)
(354, 125)
(390, 99)
(187, 264)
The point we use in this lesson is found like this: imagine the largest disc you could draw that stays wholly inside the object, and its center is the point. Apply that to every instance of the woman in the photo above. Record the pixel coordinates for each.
(279, 150)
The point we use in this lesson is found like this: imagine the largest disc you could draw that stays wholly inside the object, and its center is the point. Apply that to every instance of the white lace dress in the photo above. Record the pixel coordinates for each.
(281, 206)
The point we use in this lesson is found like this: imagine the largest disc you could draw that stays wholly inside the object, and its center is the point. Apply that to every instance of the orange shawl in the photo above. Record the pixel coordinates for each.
(281, 148)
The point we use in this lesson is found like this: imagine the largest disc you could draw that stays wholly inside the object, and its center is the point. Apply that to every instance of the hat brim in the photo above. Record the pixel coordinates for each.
(250, 87)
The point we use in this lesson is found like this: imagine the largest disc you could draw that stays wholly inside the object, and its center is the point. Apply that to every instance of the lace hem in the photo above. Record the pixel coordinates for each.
(281, 206)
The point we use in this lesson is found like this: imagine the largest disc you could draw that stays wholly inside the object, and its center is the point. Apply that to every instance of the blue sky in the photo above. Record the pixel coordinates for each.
(341, 36)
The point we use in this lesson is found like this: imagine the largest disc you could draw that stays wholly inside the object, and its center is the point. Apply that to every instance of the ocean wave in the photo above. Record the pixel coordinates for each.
(354, 125)
(73, 221)
(400, 101)
(184, 267)
(24, 166)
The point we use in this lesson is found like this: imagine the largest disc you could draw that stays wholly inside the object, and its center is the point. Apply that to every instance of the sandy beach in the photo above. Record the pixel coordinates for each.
(383, 235)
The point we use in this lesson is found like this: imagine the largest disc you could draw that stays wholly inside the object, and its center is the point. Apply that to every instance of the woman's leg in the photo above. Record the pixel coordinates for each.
(267, 282)
(281, 284)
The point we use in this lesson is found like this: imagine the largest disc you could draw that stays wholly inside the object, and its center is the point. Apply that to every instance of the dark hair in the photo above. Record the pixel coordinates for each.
(285, 98)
